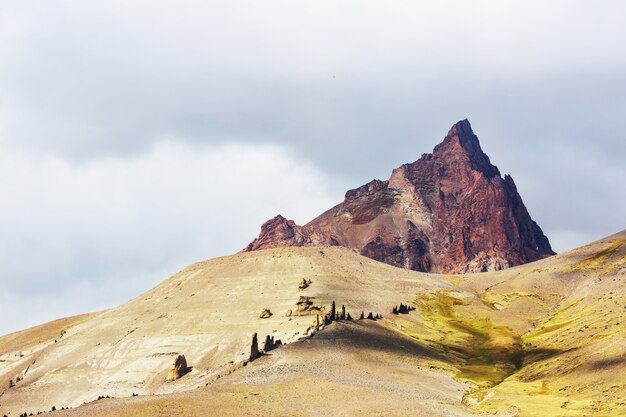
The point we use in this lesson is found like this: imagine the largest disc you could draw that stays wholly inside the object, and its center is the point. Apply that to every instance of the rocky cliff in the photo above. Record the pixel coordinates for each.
(448, 212)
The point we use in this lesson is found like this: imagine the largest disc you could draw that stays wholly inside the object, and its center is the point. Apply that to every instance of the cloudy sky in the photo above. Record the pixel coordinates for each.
(139, 136)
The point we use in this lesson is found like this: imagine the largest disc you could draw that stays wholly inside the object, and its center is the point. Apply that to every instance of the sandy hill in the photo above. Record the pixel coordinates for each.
(545, 338)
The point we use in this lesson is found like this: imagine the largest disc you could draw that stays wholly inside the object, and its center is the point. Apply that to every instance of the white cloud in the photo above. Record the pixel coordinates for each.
(79, 237)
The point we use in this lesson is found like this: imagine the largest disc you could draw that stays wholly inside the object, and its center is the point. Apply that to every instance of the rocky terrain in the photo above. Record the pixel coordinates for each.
(544, 338)
(448, 212)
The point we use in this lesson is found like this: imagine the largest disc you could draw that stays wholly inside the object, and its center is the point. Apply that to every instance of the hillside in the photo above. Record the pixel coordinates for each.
(544, 338)
(207, 312)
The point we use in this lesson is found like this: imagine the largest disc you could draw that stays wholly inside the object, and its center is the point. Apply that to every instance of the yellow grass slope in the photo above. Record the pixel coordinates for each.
(543, 339)
(573, 358)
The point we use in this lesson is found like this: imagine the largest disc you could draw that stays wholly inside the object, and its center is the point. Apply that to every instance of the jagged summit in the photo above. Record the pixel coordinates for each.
(448, 212)
(461, 142)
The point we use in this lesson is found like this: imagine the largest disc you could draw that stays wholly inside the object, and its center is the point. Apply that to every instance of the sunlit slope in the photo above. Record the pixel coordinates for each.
(547, 338)
(207, 312)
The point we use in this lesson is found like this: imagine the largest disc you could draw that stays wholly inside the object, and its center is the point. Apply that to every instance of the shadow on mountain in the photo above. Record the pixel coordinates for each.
(540, 354)
(607, 363)
(367, 335)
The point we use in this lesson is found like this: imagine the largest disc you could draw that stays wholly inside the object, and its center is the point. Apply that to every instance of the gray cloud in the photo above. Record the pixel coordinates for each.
(91, 92)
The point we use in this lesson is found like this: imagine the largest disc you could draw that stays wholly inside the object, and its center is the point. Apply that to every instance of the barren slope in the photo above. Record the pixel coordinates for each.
(545, 339)
(207, 312)
(358, 368)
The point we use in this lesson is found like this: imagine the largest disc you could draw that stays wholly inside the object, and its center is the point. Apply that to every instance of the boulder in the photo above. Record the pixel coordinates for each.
(265, 314)
(178, 369)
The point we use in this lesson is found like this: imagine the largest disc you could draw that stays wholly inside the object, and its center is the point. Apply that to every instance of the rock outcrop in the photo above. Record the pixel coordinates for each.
(178, 369)
(448, 212)
(278, 232)
(254, 348)
(270, 343)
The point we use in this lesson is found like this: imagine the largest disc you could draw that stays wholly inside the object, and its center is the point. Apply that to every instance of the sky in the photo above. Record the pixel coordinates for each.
(137, 137)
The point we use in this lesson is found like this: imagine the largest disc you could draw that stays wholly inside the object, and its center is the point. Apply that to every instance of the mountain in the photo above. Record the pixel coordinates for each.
(448, 212)
(302, 330)
(542, 339)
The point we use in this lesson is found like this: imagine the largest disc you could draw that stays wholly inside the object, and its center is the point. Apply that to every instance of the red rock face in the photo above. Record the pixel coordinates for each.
(447, 212)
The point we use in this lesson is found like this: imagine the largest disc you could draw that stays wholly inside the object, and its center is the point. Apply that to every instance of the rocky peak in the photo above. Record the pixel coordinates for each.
(461, 144)
(448, 212)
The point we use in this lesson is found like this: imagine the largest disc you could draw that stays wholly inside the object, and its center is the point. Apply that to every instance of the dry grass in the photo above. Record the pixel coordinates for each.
(599, 260)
